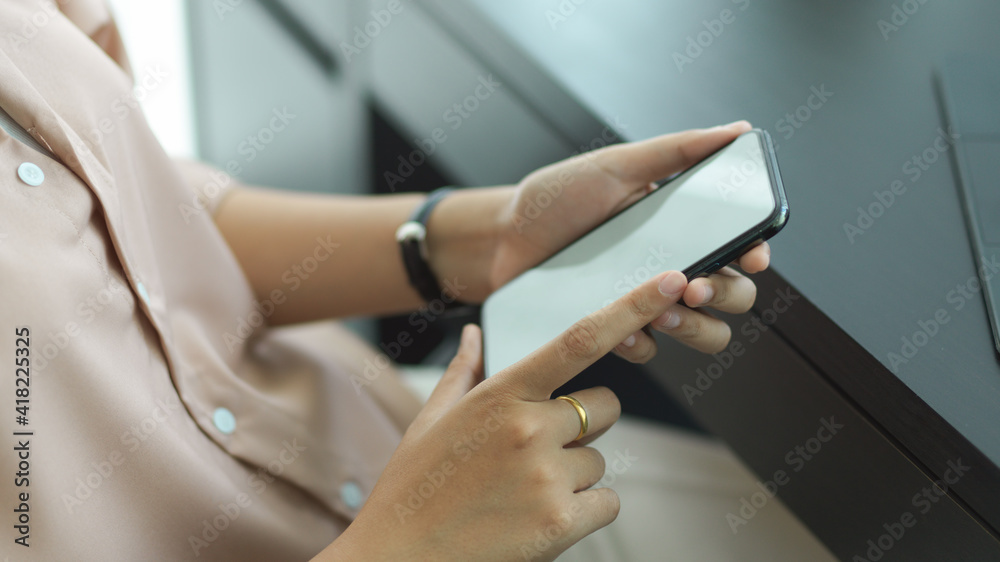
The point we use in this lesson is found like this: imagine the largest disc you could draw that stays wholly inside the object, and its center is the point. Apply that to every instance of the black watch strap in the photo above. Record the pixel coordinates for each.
(412, 238)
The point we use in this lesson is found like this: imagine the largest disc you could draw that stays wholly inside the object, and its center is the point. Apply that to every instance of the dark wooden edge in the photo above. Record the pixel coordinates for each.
(904, 418)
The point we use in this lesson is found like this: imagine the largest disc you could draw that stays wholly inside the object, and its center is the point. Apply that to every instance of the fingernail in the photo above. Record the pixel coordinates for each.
(709, 293)
(629, 341)
(672, 284)
(720, 127)
(673, 320)
(727, 125)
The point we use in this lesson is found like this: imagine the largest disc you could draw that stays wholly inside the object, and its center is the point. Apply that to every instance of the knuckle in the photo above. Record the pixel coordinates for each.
(609, 396)
(556, 519)
(645, 356)
(524, 434)
(719, 344)
(614, 505)
(739, 294)
(723, 289)
(610, 505)
(751, 295)
(600, 463)
(544, 475)
(616, 409)
(582, 340)
(661, 322)
(639, 305)
(635, 355)
(690, 327)
(638, 359)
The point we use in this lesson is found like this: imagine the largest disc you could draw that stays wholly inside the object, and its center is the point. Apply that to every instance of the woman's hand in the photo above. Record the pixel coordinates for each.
(493, 470)
(559, 203)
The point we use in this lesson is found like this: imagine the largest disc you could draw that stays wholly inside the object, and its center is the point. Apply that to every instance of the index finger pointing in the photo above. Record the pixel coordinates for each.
(561, 359)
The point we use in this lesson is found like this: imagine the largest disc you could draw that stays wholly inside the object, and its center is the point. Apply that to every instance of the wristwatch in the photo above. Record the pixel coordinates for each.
(412, 238)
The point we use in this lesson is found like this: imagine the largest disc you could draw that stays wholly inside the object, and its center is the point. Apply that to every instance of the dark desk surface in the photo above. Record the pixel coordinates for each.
(618, 61)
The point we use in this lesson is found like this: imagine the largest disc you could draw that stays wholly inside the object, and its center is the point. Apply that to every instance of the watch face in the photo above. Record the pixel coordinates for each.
(411, 231)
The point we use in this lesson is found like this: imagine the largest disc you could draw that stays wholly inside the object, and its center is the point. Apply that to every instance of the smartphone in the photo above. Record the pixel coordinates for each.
(695, 222)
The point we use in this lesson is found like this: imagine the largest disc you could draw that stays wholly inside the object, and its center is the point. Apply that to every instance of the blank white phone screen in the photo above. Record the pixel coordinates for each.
(678, 225)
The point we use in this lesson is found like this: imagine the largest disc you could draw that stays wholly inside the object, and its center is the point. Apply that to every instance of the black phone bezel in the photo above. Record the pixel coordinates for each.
(723, 255)
(734, 248)
(759, 233)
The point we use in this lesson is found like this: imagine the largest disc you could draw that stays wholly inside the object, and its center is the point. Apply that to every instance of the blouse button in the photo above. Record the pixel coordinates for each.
(224, 420)
(30, 174)
(141, 289)
(351, 494)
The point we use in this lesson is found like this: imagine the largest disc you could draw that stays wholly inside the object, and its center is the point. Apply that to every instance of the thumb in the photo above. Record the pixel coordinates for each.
(462, 375)
(657, 158)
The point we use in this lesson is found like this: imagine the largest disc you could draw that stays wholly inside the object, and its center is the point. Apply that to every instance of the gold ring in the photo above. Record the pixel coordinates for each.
(584, 422)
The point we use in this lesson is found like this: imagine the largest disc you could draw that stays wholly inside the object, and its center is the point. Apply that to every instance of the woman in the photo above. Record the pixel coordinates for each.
(168, 415)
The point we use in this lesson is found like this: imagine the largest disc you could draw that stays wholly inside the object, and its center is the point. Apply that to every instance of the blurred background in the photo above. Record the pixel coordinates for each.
(156, 33)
